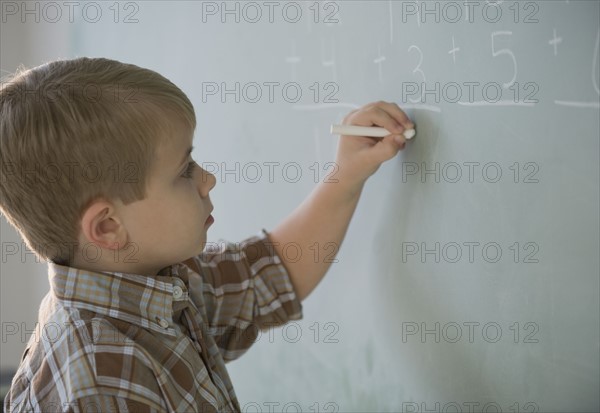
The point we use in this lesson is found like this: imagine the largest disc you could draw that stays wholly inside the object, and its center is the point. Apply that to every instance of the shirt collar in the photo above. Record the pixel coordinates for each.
(146, 301)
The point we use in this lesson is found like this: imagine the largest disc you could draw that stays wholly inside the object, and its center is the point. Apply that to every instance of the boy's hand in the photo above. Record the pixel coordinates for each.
(358, 157)
(323, 218)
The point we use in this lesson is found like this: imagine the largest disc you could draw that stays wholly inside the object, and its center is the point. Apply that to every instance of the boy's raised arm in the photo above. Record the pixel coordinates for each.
(322, 219)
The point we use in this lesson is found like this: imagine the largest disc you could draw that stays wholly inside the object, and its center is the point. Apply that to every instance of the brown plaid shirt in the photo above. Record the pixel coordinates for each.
(117, 342)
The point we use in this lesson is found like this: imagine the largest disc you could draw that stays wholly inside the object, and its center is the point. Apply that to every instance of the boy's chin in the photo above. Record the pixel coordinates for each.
(201, 247)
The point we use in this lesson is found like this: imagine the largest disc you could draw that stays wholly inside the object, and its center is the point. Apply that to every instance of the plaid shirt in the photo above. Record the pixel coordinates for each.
(117, 342)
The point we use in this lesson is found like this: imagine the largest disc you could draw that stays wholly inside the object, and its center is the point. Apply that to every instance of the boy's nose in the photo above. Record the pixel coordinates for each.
(206, 183)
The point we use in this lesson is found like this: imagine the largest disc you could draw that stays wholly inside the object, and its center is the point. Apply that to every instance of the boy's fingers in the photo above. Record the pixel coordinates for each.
(401, 116)
(386, 149)
(400, 139)
(383, 118)
(373, 115)
(346, 119)
(397, 113)
(384, 114)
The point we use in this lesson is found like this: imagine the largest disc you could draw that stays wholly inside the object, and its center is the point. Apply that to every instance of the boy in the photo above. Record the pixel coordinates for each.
(138, 317)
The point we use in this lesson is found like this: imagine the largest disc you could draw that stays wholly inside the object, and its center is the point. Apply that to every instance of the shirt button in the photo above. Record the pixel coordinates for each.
(163, 323)
(177, 292)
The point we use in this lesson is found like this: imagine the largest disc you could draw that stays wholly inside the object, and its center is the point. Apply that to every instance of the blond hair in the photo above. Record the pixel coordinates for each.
(73, 131)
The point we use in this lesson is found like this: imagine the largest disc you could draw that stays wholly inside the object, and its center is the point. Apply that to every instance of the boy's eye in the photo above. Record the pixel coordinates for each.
(189, 170)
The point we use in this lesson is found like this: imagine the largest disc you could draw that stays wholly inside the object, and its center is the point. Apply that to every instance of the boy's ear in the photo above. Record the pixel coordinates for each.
(100, 225)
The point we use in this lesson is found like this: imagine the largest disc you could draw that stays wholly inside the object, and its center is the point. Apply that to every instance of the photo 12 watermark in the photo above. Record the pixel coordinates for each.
(251, 12)
(487, 11)
(469, 407)
(269, 92)
(292, 332)
(73, 91)
(472, 252)
(203, 407)
(290, 407)
(68, 172)
(289, 172)
(90, 252)
(470, 93)
(491, 172)
(126, 12)
(96, 330)
(470, 332)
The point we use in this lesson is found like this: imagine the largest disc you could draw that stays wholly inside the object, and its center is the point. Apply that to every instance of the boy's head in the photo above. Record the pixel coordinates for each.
(91, 159)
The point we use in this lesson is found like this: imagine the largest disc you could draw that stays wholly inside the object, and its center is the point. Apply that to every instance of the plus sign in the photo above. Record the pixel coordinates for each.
(554, 42)
(331, 62)
(454, 50)
(293, 60)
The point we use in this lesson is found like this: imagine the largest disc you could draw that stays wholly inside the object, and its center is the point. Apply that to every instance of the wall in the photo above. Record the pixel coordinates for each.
(469, 273)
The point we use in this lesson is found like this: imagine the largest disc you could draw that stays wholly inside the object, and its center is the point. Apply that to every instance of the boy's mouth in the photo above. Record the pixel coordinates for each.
(209, 220)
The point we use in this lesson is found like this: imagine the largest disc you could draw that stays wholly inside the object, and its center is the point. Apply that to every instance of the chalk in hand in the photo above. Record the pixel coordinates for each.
(370, 131)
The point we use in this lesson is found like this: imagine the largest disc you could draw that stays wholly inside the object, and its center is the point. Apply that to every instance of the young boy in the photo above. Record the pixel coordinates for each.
(138, 317)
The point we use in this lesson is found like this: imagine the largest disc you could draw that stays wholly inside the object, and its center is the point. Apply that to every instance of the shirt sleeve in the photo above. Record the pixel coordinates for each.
(107, 403)
(244, 288)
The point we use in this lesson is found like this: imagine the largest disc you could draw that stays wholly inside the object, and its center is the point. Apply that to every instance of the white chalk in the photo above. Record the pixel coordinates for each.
(370, 131)
(409, 133)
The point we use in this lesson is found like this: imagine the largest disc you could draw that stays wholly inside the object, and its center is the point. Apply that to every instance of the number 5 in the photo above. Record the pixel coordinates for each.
(508, 52)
